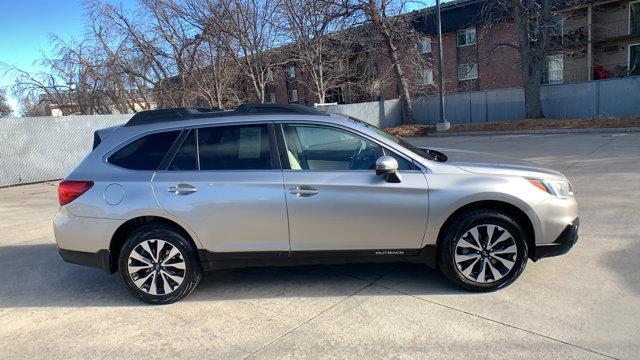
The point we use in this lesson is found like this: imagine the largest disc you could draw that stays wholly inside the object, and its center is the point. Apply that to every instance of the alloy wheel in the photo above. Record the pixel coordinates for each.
(485, 254)
(156, 267)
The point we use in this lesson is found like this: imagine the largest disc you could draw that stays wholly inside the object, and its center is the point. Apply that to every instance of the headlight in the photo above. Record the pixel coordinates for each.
(558, 188)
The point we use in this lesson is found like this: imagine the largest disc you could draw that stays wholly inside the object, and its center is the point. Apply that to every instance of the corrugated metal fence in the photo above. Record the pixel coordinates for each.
(589, 99)
(44, 148)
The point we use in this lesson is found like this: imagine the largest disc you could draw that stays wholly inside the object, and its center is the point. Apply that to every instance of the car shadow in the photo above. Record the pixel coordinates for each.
(36, 276)
(624, 263)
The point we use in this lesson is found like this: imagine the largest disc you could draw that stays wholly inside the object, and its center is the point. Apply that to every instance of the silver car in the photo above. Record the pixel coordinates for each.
(176, 192)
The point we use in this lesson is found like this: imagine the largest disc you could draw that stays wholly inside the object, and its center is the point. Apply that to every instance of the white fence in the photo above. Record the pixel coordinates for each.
(44, 148)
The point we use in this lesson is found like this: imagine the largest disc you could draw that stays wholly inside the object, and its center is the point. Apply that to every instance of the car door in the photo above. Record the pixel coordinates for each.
(336, 201)
(225, 182)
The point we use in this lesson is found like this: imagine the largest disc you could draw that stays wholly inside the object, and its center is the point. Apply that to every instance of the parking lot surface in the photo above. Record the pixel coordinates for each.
(583, 305)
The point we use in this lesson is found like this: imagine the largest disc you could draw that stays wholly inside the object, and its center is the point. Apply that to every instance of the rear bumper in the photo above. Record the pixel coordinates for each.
(98, 260)
(565, 241)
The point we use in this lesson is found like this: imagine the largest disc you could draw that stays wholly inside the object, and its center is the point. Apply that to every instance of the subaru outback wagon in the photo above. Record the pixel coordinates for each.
(176, 192)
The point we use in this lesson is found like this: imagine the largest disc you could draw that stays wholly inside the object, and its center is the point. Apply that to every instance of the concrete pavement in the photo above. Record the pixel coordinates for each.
(583, 305)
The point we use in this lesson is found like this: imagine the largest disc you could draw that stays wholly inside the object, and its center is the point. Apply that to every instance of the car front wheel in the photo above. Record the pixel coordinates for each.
(158, 265)
(483, 250)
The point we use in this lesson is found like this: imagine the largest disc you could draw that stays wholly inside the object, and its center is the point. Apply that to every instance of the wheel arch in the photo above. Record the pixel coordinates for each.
(125, 229)
(519, 215)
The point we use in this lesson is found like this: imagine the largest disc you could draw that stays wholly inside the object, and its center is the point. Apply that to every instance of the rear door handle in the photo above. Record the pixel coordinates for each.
(183, 189)
(303, 191)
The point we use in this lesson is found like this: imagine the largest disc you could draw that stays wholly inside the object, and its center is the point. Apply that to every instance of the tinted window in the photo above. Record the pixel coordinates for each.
(324, 148)
(185, 158)
(145, 153)
(244, 147)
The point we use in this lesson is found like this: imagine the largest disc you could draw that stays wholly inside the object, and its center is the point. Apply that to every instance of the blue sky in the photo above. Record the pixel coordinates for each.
(25, 26)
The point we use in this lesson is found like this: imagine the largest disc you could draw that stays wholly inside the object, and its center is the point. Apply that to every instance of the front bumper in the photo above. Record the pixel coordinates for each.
(565, 241)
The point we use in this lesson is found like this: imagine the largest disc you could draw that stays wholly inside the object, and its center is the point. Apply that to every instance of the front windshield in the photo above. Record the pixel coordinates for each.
(394, 139)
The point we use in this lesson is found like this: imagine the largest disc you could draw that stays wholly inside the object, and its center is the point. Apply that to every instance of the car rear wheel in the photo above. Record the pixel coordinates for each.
(158, 265)
(483, 250)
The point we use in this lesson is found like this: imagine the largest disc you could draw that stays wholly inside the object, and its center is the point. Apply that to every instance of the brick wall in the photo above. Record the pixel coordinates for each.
(498, 67)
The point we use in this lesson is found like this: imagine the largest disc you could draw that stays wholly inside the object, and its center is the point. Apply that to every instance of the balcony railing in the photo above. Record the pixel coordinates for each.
(615, 71)
(607, 30)
(598, 72)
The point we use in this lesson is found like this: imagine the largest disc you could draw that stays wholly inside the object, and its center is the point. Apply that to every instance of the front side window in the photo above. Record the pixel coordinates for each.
(312, 147)
(241, 147)
(467, 71)
(466, 36)
(145, 153)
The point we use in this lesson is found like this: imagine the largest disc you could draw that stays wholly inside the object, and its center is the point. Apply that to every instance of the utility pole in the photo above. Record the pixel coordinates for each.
(443, 125)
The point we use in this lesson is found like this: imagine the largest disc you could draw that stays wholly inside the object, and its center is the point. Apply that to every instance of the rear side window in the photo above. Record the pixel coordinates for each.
(145, 153)
(244, 147)
(186, 157)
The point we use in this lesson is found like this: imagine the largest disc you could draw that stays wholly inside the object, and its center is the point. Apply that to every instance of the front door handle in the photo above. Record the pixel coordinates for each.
(183, 189)
(303, 191)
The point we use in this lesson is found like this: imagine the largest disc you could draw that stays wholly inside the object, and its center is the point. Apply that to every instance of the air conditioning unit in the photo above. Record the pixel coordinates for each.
(612, 49)
(577, 54)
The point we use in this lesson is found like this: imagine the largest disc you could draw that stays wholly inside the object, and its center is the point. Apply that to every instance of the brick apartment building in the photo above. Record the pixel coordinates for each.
(597, 40)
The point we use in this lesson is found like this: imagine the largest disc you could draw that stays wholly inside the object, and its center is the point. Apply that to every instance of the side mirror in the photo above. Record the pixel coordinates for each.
(388, 168)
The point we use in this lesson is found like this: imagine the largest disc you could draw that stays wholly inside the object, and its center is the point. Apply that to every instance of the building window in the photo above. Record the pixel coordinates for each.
(291, 72)
(424, 46)
(425, 77)
(270, 76)
(271, 97)
(293, 95)
(634, 18)
(467, 71)
(467, 36)
(634, 59)
(555, 69)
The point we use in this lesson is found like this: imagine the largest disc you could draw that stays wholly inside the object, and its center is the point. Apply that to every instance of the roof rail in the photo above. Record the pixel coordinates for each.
(172, 114)
(187, 113)
(277, 109)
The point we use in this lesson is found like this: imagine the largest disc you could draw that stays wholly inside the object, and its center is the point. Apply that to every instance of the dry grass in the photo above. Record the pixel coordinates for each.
(528, 124)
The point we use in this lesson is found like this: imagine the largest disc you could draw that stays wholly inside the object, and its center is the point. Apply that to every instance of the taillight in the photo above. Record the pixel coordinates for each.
(71, 190)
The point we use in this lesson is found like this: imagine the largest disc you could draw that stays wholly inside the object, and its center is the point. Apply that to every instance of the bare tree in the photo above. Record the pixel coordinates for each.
(385, 18)
(535, 22)
(150, 45)
(319, 43)
(249, 31)
(5, 109)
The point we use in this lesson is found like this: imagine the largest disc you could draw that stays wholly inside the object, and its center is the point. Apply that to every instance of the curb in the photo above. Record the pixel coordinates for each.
(537, 132)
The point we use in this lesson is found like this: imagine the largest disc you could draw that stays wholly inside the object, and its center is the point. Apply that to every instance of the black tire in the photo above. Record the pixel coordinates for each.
(192, 274)
(470, 220)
